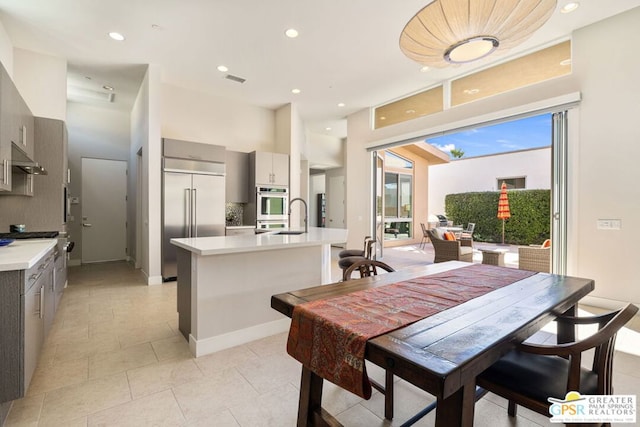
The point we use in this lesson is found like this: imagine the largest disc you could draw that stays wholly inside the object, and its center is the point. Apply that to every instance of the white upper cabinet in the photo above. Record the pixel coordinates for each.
(270, 168)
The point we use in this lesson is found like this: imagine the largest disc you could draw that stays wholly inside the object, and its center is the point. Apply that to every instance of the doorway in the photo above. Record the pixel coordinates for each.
(104, 210)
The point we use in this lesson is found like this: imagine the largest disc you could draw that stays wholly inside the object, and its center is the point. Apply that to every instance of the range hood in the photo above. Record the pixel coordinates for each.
(20, 161)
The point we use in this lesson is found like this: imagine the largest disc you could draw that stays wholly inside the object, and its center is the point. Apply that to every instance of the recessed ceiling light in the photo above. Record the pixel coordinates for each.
(107, 87)
(327, 129)
(222, 68)
(570, 7)
(341, 104)
(296, 91)
(292, 33)
(565, 62)
(471, 91)
(410, 111)
(383, 118)
(116, 36)
(424, 69)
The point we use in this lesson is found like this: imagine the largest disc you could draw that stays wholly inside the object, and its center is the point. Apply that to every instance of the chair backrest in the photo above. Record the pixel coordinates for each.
(366, 239)
(602, 341)
(424, 229)
(366, 267)
(369, 248)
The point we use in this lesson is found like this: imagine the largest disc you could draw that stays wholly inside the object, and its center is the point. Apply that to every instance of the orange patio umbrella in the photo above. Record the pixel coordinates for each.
(503, 207)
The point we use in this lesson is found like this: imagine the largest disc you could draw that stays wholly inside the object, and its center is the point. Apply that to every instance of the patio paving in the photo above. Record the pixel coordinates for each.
(405, 256)
(400, 257)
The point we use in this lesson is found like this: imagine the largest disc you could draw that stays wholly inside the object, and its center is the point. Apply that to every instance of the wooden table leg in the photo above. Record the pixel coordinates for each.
(567, 331)
(310, 397)
(457, 409)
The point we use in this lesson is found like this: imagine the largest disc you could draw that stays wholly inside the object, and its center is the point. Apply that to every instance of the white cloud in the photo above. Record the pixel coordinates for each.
(446, 148)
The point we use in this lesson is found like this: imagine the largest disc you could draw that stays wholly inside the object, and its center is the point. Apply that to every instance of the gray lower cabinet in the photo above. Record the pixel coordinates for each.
(26, 315)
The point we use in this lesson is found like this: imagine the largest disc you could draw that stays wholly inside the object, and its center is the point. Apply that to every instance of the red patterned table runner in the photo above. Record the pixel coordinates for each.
(329, 336)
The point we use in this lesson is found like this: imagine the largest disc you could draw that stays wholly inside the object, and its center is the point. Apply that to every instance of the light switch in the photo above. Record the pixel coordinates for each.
(609, 224)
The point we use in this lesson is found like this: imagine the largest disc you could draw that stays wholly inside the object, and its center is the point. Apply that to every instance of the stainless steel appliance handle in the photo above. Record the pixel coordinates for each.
(187, 207)
(195, 213)
(41, 296)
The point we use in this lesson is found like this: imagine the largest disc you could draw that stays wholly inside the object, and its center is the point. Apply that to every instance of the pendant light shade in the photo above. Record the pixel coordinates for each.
(459, 31)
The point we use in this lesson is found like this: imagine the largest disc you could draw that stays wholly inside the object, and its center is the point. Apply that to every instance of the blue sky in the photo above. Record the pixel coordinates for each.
(522, 134)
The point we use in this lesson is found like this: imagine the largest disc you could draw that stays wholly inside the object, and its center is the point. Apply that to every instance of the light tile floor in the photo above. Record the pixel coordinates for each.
(114, 357)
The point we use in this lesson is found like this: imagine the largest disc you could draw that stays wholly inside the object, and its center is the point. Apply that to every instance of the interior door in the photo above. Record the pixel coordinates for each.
(104, 210)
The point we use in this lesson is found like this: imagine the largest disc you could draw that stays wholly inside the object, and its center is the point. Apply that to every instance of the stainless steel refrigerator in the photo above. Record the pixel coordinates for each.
(193, 200)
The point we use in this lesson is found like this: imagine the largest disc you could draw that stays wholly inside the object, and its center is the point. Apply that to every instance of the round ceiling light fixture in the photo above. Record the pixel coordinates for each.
(570, 7)
(449, 32)
(295, 91)
(292, 33)
(222, 68)
(471, 50)
(116, 36)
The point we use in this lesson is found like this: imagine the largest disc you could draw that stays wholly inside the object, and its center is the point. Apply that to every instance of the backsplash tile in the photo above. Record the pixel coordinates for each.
(233, 213)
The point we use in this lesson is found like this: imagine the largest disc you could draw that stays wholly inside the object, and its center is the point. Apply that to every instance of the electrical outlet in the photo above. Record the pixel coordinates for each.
(609, 224)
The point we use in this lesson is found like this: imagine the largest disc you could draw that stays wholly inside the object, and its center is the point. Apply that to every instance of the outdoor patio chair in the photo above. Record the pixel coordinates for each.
(425, 236)
(450, 250)
(531, 374)
(534, 258)
(468, 232)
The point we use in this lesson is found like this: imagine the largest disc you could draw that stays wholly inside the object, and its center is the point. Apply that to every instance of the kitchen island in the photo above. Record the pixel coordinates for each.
(225, 283)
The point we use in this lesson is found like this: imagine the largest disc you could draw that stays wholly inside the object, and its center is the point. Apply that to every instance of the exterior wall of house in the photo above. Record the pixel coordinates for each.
(482, 174)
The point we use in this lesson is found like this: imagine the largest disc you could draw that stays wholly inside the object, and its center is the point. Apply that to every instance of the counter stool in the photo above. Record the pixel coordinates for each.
(355, 252)
(346, 262)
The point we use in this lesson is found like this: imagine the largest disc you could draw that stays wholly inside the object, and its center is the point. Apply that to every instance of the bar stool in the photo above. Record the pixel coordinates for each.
(355, 252)
(346, 262)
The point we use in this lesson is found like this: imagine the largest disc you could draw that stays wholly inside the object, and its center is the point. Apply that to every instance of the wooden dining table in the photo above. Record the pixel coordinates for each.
(445, 352)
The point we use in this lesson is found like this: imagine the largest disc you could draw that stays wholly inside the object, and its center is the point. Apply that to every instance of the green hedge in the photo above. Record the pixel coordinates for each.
(529, 222)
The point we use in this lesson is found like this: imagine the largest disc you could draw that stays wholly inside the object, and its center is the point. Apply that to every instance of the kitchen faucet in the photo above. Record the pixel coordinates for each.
(306, 213)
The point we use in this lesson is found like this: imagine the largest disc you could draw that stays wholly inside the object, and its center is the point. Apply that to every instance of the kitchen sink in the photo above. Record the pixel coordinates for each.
(290, 232)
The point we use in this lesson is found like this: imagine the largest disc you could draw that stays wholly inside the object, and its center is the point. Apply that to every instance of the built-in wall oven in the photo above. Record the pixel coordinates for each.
(272, 204)
(268, 225)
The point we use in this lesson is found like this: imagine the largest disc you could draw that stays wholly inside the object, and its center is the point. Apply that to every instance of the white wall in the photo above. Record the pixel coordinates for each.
(6, 50)
(453, 177)
(325, 151)
(604, 145)
(93, 132)
(608, 153)
(146, 136)
(200, 117)
(42, 82)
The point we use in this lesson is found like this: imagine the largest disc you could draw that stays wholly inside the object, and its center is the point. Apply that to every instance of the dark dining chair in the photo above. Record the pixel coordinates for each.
(346, 262)
(355, 252)
(530, 374)
(366, 268)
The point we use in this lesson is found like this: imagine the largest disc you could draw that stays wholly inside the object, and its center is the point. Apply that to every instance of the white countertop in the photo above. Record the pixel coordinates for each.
(261, 242)
(24, 254)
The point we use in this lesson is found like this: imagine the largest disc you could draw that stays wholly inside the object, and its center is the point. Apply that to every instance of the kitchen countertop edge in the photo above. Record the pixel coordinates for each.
(24, 254)
(219, 245)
